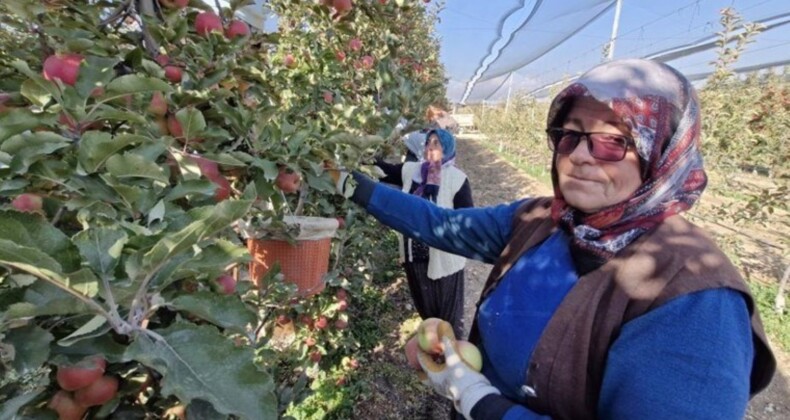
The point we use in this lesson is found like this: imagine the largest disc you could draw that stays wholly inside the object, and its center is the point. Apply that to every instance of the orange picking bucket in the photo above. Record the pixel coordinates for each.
(304, 263)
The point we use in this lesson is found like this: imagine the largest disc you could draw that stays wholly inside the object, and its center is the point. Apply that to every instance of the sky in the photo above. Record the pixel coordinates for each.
(469, 28)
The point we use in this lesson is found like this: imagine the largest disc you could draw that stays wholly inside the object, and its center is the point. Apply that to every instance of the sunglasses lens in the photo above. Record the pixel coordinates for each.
(567, 142)
(608, 147)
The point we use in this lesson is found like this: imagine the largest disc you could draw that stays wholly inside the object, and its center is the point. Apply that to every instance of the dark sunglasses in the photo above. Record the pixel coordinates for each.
(602, 146)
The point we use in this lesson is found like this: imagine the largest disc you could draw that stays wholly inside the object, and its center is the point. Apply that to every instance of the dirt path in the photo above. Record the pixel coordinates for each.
(394, 393)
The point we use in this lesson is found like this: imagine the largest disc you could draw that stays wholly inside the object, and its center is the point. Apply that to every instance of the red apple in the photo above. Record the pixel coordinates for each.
(321, 323)
(341, 294)
(81, 374)
(227, 284)
(342, 6)
(158, 105)
(97, 393)
(210, 170)
(174, 127)
(309, 341)
(27, 203)
(288, 181)
(341, 381)
(66, 407)
(289, 61)
(341, 324)
(341, 222)
(174, 4)
(162, 59)
(237, 28)
(342, 306)
(367, 62)
(355, 44)
(340, 56)
(173, 74)
(351, 363)
(207, 22)
(283, 319)
(328, 97)
(65, 68)
(315, 356)
(307, 320)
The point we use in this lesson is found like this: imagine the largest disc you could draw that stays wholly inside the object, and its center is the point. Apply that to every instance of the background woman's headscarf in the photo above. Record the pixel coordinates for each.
(415, 142)
(429, 177)
(660, 107)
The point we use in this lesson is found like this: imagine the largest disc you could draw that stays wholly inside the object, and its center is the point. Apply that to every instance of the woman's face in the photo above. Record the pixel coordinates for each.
(589, 184)
(433, 149)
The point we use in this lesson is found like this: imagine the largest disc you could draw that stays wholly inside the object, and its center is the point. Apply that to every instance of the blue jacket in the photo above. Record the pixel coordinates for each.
(690, 358)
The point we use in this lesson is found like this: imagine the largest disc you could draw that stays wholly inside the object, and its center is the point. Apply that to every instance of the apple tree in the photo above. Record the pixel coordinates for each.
(134, 134)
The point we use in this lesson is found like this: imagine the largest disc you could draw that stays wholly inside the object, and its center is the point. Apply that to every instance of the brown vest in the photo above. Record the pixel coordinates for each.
(567, 366)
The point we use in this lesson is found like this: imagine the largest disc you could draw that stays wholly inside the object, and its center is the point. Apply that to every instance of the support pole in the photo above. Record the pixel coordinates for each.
(509, 91)
(615, 25)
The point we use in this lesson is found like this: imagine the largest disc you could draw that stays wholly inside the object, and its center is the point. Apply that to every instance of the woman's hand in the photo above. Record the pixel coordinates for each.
(454, 379)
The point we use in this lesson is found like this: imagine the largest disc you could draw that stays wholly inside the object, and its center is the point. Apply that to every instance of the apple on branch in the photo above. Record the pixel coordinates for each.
(65, 68)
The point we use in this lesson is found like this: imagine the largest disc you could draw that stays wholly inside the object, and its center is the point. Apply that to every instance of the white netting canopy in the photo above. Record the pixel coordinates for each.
(537, 43)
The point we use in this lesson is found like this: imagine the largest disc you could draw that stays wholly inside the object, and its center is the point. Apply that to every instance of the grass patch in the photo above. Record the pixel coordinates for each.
(777, 325)
(538, 172)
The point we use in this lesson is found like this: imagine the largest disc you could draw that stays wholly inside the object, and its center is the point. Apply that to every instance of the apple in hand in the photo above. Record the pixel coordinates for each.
(470, 354)
(288, 181)
(411, 348)
(430, 334)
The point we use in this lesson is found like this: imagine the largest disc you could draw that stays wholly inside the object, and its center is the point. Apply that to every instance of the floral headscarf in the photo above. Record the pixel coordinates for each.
(660, 107)
(428, 178)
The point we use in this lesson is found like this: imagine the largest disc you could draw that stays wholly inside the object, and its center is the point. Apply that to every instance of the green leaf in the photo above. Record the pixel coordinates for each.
(95, 327)
(95, 71)
(192, 122)
(216, 371)
(17, 121)
(29, 147)
(96, 147)
(213, 220)
(130, 165)
(35, 232)
(31, 347)
(186, 188)
(45, 299)
(106, 113)
(35, 93)
(10, 409)
(83, 281)
(226, 311)
(133, 83)
(101, 248)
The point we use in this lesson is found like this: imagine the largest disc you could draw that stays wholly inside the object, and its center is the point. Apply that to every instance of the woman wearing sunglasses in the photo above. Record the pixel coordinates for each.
(603, 302)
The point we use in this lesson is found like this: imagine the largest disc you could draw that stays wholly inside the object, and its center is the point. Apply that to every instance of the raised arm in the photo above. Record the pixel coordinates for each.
(476, 233)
